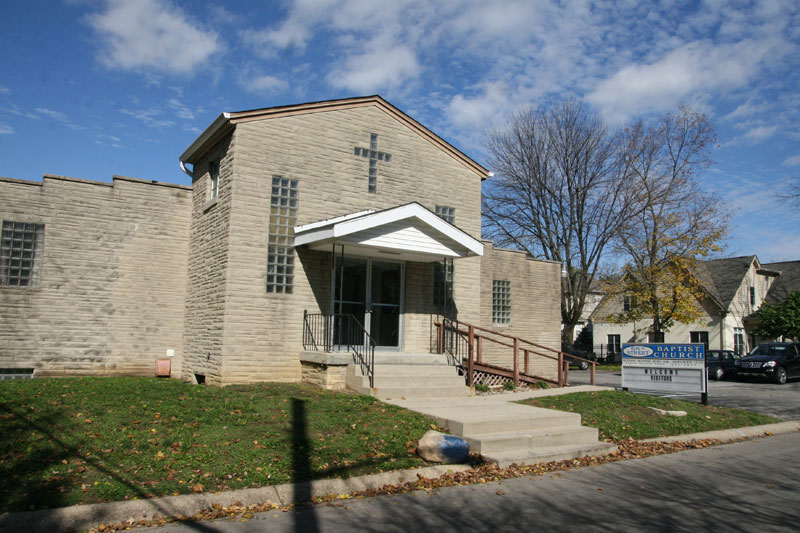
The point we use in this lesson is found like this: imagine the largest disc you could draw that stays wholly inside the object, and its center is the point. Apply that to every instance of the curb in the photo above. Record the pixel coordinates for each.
(728, 435)
(82, 517)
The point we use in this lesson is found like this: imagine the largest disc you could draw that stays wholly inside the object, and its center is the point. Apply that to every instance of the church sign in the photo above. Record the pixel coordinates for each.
(664, 367)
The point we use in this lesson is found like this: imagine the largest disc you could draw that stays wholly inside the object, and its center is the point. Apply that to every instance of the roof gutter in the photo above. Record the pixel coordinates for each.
(210, 133)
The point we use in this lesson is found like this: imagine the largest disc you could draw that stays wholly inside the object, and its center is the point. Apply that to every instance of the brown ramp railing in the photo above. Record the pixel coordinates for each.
(464, 344)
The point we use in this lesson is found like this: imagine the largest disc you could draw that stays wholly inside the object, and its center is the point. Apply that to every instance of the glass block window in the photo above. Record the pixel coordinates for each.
(501, 302)
(443, 282)
(280, 250)
(21, 254)
(446, 213)
(213, 178)
(373, 162)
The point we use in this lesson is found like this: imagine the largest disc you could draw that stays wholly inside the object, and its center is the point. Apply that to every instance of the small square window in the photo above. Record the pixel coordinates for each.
(446, 213)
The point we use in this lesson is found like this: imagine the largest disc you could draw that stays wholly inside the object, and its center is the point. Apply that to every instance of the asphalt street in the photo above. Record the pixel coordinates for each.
(781, 401)
(746, 486)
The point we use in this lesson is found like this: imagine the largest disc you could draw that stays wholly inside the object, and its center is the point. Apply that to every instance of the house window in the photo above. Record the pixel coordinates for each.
(627, 304)
(446, 213)
(21, 254)
(614, 344)
(443, 283)
(213, 178)
(655, 337)
(752, 296)
(699, 337)
(280, 250)
(738, 341)
(501, 302)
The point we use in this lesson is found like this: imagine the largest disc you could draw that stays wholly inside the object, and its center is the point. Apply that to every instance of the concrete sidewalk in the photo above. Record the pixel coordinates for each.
(82, 517)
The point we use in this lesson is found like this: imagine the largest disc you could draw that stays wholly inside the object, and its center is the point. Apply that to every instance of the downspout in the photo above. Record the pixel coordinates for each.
(186, 170)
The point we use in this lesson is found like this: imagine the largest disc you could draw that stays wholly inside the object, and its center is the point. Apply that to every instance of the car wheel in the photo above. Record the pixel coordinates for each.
(780, 375)
(583, 365)
(717, 373)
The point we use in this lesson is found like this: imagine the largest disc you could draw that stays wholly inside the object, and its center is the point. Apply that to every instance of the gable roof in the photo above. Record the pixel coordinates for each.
(227, 121)
(723, 277)
(407, 231)
(787, 283)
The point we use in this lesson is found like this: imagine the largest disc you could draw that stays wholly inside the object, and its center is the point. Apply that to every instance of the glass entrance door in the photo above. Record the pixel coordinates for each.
(384, 306)
(372, 291)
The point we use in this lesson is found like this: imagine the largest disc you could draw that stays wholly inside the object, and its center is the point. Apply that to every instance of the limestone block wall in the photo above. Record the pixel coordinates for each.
(263, 331)
(111, 296)
(535, 305)
(207, 269)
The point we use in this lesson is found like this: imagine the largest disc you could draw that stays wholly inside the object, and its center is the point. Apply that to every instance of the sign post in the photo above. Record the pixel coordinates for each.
(665, 368)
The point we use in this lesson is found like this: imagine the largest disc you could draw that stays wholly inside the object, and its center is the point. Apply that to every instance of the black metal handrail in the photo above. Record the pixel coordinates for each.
(340, 332)
(454, 343)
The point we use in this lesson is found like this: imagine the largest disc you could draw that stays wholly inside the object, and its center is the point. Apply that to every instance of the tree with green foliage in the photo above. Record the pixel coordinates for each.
(678, 225)
(779, 320)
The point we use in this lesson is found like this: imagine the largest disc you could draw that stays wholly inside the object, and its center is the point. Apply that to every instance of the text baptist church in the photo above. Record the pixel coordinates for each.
(337, 207)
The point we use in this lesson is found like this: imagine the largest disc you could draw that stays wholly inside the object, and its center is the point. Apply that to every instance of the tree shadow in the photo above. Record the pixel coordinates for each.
(23, 490)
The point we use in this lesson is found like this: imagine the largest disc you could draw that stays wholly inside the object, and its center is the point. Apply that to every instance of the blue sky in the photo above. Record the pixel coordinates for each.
(92, 88)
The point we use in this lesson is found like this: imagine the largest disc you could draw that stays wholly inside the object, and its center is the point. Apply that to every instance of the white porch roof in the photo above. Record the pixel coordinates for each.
(408, 232)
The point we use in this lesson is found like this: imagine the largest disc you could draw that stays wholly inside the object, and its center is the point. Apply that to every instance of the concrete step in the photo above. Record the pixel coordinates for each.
(546, 454)
(487, 420)
(406, 358)
(525, 441)
(388, 393)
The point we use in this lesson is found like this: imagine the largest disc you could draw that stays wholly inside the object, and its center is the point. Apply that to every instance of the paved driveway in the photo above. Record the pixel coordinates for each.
(782, 401)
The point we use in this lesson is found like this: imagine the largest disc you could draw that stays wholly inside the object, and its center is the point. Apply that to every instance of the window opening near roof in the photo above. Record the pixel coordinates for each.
(373, 155)
(21, 253)
(501, 301)
(213, 176)
(282, 220)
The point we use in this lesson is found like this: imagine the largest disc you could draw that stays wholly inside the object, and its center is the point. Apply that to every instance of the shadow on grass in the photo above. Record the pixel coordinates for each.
(301, 467)
(31, 492)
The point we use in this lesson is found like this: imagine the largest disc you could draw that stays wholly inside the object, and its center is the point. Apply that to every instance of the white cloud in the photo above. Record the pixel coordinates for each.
(376, 70)
(760, 133)
(5, 129)
(477, 112)
(687, 71)
(151, 35)
(181, 110)
(4, 90)
(793, 161)
(264, 83)
(56, 115)
(150, 117)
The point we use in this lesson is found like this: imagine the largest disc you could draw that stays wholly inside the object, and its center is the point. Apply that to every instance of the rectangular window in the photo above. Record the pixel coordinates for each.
(655, 337)
(443, 283)
(738, 340)
(280, 250)
(446, 213)
(213, 178)
(21, 254)
(699, 337)
(614, 345)
(627, 303)
(501, 301)
(752, 296)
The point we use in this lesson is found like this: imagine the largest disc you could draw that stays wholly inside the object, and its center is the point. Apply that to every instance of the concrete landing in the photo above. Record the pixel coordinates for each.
(505, 432)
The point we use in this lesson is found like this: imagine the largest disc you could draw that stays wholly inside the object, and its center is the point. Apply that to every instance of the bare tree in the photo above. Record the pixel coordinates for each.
(792, 192)
(560, 193)
(678, 223)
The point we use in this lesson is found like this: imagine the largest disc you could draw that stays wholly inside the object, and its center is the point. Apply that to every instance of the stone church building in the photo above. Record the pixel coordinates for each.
(337, 207)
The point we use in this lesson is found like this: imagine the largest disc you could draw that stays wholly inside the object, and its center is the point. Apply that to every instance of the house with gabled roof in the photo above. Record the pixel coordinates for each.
(734, 289)
(296, 215)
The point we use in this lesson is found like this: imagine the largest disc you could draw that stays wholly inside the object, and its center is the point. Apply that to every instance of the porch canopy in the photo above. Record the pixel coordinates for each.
(407, 232)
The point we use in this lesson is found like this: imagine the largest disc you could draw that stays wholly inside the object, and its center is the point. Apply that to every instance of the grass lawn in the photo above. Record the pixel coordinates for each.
(614, 368)
(86, 440)
(621, 415)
